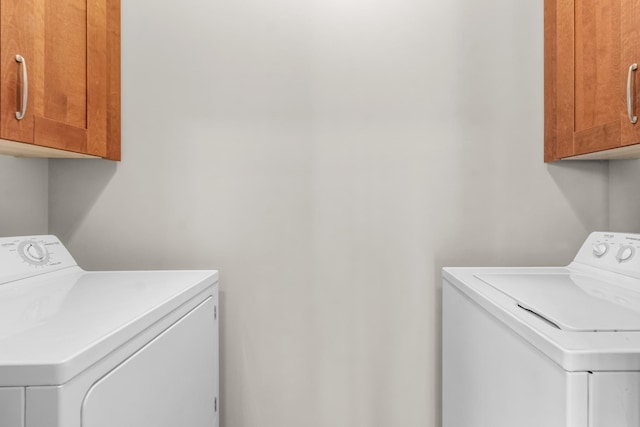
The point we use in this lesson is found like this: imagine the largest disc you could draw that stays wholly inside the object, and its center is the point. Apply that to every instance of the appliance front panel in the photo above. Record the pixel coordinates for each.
(172, 381)
(613, 399)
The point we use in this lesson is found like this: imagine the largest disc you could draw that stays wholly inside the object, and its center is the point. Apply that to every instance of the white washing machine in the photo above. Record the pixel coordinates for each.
(98, 349)
(547, 346)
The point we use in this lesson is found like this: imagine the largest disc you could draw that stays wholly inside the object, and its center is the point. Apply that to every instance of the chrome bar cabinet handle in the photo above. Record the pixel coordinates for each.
(25, 87)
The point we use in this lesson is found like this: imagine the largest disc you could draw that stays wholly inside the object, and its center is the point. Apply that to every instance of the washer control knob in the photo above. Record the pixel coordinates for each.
(625, 253)
(33, 252)
(600, 249)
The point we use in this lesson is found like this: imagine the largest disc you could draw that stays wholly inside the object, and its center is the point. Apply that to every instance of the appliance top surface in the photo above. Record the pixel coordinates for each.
(585, 316)
(563, 330)
(573, 301)
(56, 323)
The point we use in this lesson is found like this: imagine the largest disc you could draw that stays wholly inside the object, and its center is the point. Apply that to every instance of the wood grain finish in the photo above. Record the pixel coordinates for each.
(589, 45)
(65, 62)
(103, 71)
(16, 37)
(113, 89)
(597, 138)
(597, 63)
(550, 80)
(630, 31)
(97, 84)
(50, 133)
(37, 76)
(61, 93)
(72, 49)
(559, 79)
(103, 78)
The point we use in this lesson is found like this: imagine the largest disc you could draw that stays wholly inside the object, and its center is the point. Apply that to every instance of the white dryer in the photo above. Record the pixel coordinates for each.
(98, 349)
(547, 346)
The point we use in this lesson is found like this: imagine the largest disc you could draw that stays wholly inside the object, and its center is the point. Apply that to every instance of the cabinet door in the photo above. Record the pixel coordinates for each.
(589, 47)
(599, 80)
(73, 61)
(60, 80)
(17, 37)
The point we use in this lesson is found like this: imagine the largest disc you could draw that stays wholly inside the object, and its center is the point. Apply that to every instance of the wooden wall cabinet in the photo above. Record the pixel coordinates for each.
(590, 46)
(71, 51)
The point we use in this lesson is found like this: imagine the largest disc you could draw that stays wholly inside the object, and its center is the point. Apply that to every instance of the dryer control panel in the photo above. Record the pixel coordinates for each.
(616, 252)
(26, 256)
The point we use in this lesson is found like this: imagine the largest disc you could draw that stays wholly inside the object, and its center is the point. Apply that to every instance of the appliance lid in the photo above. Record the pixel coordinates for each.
(57, 324)
(573, 301)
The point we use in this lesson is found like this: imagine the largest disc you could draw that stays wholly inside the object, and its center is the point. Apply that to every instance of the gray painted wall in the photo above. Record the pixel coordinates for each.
(624, 203)
(329, 157)
(24, 186)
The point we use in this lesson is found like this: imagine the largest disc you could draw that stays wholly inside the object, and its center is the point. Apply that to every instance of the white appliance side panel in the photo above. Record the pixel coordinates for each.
(217, 358)
(12, 407)
(492, 377)
(134, 395)
(614, 399)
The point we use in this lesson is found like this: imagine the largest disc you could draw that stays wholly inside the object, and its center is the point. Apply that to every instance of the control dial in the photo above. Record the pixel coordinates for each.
(33, 252)
(625, 253)
(599, 249)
